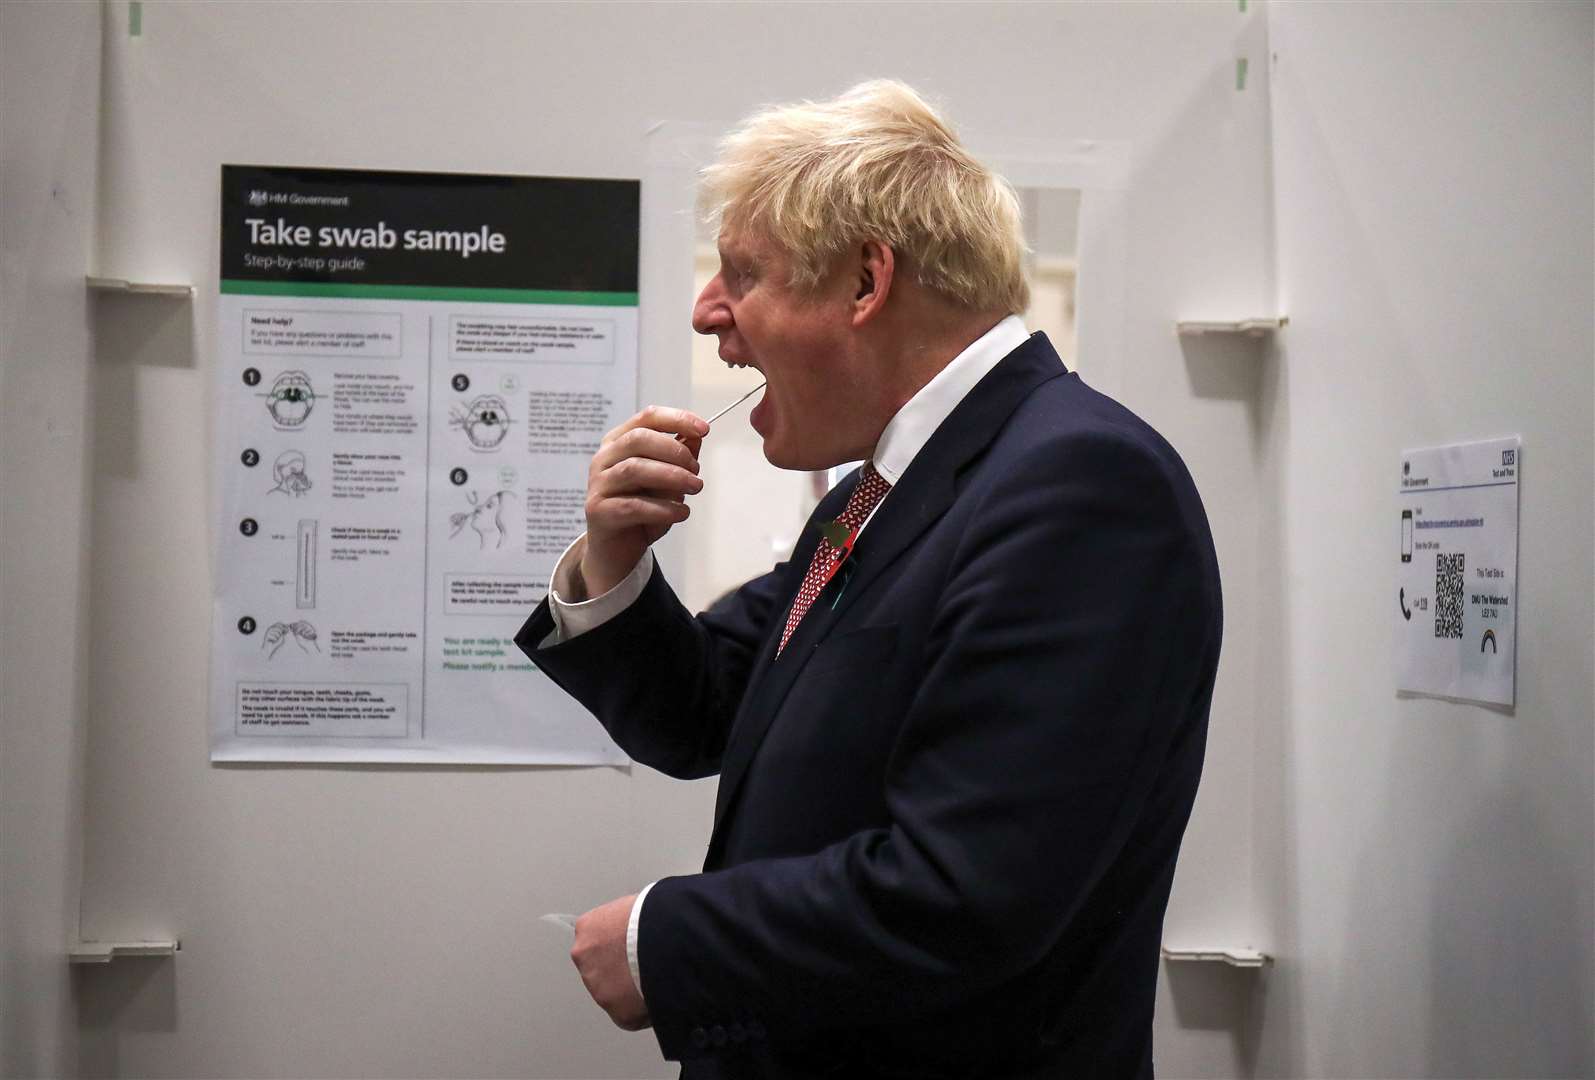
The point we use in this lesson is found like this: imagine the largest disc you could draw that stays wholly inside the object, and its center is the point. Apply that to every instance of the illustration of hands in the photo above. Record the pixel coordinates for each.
(486, 518)
(300, 632)
(485, 421)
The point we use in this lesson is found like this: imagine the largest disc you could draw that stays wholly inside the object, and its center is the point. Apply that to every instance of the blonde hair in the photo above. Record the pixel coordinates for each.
(876, 163)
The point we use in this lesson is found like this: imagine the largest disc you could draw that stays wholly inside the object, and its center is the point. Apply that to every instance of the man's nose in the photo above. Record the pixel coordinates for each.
(710, 313)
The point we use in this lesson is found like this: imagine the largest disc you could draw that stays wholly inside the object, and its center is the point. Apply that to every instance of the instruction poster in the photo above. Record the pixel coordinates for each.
(413, 372)
(1456, 589)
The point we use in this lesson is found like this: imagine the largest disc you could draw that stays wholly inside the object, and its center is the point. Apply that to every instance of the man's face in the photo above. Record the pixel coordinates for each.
(811, 415)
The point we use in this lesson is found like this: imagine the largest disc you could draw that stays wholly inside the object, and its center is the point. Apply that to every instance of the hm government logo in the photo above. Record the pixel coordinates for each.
(258, 198)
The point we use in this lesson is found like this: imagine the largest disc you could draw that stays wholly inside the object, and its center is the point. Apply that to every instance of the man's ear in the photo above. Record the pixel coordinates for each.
(876, 268)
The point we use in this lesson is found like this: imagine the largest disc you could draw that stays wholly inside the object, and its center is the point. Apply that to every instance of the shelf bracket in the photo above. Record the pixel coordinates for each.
(1241, 958)
(141, 288)
(1249, 327)
(103, 952)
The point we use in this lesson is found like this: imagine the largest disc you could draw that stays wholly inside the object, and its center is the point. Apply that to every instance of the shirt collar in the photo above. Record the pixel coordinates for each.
(917, 421)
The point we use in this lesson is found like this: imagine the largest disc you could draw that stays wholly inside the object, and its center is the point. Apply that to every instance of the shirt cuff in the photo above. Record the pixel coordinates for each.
(572, 620)
(631, 939)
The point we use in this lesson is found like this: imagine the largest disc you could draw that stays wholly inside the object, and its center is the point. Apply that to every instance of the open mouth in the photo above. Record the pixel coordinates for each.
(290, 399)
(485, 421)
(486, 433)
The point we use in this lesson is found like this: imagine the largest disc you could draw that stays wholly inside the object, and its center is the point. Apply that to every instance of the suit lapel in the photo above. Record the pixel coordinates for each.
(920, 497)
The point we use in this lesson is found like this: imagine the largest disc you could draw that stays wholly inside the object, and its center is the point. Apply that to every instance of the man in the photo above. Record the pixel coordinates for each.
(959, 733)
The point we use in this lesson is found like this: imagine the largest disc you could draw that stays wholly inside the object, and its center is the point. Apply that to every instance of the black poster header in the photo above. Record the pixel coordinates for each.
(436, 230)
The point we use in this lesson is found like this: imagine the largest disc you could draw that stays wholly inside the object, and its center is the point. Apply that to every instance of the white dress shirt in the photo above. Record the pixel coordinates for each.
(900, 443)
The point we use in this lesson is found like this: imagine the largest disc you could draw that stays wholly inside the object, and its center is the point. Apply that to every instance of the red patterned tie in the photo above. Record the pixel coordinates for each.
(872, 488)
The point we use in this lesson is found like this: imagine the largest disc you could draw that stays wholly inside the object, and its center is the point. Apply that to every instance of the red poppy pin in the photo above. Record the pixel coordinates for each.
(841, 538)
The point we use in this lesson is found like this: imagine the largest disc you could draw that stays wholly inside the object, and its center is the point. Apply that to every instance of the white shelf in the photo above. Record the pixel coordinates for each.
(1241, 958)
(142, 288)
(1249, 327)
(103, 952)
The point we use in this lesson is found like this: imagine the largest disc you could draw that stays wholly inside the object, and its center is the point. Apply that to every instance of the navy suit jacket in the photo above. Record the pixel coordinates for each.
(949, 811)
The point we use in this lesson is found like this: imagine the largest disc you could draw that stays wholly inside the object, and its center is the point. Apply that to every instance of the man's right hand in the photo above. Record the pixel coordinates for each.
(637, 487)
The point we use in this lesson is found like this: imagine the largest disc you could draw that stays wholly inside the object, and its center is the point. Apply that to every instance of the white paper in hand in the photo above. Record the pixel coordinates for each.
(565, 922)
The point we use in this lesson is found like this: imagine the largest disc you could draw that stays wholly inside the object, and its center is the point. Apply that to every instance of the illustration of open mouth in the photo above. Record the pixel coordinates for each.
(485, 421)
(291, 399)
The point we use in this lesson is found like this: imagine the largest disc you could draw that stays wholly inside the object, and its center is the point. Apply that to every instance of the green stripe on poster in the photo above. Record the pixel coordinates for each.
(429, 292)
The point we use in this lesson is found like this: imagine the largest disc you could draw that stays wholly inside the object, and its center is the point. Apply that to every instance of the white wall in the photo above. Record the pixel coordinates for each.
(381, 921)
(1428, 866)
(49, 91)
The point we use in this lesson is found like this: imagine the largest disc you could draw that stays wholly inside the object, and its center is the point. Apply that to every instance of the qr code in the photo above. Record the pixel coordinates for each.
(1448, 595)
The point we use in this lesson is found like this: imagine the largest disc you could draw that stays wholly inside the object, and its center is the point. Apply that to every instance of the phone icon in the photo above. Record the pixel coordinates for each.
(1406, 536)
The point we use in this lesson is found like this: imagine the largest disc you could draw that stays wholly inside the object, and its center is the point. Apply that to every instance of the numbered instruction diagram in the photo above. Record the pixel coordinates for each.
(1456, 586)
(414, 370)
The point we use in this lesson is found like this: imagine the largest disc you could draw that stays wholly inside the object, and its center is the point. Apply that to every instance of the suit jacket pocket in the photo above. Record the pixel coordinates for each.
(854, 650)
(819, 772)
